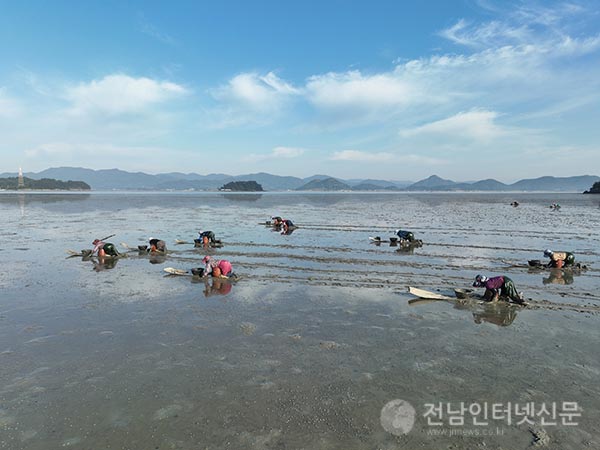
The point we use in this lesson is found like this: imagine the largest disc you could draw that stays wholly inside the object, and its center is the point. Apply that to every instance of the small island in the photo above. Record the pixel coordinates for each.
(595, 189)
(326, 184)
(242, 186)
(50, 184)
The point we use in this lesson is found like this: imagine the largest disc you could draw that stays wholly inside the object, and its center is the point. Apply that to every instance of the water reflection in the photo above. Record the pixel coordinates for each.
(217, 286)
(563, 276)
(22, 204)
(378, 243)
(323, 199)
(557, 276)
(26, 198)
(408, 249)
(78, 202)
(213, 286)
(289, 231)
(280, 228)
(102, 263)
(157, 258)
(99, 263)
(499, 313)
(242, 197)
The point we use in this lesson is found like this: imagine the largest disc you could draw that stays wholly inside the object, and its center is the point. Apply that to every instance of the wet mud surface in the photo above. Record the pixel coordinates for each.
(314, 339)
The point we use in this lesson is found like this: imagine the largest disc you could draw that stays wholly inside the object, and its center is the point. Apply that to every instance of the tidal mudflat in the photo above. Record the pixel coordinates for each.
(316, 338)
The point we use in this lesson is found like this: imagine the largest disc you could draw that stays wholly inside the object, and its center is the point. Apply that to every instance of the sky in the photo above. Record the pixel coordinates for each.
(465, 89)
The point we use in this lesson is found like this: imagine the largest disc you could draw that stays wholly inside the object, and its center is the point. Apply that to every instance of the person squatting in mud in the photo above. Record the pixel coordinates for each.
(498, 287)
(560, 259)
(216, 267)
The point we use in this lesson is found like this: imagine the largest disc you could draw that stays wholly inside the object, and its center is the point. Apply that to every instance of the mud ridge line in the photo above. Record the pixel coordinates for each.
(389, 257)
(326, 260)
(395, 278)
(339, 227)
(370, 262)
(432, 244)
(400, 266)
(531, 304)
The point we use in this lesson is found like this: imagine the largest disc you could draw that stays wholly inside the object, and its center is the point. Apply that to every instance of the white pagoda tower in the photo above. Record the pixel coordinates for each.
(20, 183)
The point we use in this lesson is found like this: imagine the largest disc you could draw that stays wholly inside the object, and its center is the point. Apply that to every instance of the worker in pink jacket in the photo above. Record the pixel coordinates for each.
(216, 267)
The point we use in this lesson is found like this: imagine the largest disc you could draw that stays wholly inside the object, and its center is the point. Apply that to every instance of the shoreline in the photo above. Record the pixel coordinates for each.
(187, 192)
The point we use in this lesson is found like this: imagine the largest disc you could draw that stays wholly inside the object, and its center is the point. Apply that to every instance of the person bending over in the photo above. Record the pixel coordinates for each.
(104, 248)
(156, 245)
(560, 259)
(497, 287)
(216, 267)
(287, 226)
(205, 238)
(405, 235)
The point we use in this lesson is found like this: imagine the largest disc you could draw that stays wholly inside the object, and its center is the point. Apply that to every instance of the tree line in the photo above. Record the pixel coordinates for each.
(12, 183)
(595, 189)
(242, 186)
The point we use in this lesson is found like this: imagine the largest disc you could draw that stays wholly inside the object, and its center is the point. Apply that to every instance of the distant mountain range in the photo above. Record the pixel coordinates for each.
(558, 184)
(115, 179)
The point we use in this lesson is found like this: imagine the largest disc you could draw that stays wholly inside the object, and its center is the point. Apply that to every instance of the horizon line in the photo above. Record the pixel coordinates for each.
(309, 176)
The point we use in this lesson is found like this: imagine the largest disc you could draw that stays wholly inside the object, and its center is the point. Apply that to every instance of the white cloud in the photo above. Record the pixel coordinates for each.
(475, 124)
(455, 33)
(278, 85)
(569, 46)
(257, 92)
(276, 153)
(287, 152)
(550, 16)
(33, 81)
(151, 30)
(9, 107)
(355, 90)
(355, 155)
(121, 94)
(69, 149)
(420, 159)
(543, 29)
(561, 107)
(515, 61)
(491, 34)
(250, 99)
(378, 157)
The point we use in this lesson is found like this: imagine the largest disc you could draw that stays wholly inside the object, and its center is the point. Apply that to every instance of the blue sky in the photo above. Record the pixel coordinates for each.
(381, 89)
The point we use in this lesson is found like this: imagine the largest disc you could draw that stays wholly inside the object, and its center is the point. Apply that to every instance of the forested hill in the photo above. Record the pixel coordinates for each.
(44, 184)
(242, 186)
(595, 189)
